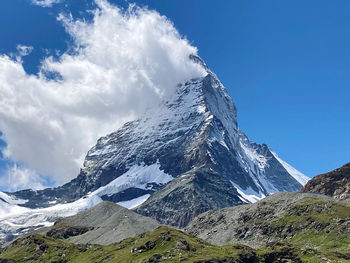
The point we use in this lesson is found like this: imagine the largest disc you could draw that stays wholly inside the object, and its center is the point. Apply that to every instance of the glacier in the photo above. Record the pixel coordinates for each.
(16, 220)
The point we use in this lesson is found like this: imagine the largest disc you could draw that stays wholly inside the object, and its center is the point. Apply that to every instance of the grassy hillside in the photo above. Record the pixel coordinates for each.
(169, 245)
(161, 245)
(317, 227)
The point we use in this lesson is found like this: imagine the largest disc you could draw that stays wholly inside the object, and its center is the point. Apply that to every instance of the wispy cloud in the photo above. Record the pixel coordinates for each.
(123, 63)
(18, 178)
(45, 3)
(24, 50)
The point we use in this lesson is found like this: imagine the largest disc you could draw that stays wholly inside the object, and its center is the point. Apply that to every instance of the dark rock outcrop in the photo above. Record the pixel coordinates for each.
(335, 183)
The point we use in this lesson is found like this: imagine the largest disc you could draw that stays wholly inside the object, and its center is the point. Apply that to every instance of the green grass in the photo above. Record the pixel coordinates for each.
(319, 235)
(171, 245)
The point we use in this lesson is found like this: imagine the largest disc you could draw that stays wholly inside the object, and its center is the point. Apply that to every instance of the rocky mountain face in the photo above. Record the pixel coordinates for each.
(183, 157)
(335, 183)
(316, 224)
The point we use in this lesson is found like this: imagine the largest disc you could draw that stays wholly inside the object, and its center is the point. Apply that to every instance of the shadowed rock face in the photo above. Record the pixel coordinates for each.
(65, 232)
(194, 137)
(335, 183)
(191, 194)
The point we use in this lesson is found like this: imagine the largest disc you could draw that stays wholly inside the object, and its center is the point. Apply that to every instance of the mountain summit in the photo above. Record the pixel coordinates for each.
(182, 158)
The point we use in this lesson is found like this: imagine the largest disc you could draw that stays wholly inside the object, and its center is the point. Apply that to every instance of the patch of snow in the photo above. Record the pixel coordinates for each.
(300, 177)
(217, 136)
(9, 205)
(248, 195)
(258, 159)
(268, 186)
(200, 109)
(130, 204)
(137, 176)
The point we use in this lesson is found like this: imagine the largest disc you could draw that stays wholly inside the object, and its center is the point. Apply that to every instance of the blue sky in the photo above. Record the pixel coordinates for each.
(284, 63)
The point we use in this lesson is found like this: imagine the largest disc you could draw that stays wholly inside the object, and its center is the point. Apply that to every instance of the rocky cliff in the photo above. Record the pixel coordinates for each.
(335, 183)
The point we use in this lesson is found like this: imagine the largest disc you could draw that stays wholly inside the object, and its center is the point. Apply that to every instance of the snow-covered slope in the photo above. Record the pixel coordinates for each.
(19, 221)
(16, 220)
(10, 204)
(183, 157)
(138, 176)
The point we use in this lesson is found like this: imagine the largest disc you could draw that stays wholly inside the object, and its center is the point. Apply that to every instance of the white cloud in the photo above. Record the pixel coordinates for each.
(124, 62)
(45, 3)
(21, 178)
(24, 50)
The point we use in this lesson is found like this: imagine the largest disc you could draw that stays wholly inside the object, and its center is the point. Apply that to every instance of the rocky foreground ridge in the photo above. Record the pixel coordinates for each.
(294, 217)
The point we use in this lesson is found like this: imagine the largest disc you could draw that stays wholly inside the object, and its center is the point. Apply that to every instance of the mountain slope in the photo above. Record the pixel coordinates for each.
(335, 183)
(184, 156)
(164, 244)
(104, 224)
(311, 222)
(194, 192)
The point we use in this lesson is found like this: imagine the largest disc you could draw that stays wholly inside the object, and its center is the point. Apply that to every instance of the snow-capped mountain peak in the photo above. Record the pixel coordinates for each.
(181, 158)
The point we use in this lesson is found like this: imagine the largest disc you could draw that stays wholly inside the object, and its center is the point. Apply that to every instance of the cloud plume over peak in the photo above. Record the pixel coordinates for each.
(123, 62)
